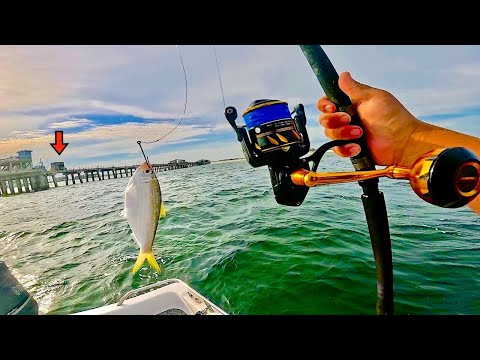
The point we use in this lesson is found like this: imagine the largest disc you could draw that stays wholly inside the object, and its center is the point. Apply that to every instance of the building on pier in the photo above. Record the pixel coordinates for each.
(57, 166)
(23, 161)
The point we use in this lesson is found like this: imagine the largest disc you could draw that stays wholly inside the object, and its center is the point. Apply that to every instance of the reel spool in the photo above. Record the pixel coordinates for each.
(271, 128)
(270, 135)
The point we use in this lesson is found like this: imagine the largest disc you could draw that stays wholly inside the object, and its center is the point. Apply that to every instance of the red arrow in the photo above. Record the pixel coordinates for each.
(59, 146)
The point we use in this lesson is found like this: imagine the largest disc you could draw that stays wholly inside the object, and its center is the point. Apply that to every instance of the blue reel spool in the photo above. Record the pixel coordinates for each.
(271, 126)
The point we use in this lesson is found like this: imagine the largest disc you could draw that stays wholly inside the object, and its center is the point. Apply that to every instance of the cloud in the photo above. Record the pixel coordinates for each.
(70, 123)
(28, 134)
(134, 110)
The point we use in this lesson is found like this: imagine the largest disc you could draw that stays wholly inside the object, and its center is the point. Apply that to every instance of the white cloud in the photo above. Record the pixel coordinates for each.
(137, 111)
(28, 134)
(71, 123)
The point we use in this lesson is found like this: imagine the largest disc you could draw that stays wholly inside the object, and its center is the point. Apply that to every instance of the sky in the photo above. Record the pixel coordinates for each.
(105, 98)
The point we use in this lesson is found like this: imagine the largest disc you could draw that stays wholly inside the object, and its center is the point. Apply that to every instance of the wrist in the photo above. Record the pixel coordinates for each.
(419, 142)
(427, 137)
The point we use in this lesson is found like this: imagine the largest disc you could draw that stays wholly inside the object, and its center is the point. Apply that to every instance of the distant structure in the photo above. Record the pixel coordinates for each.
(25, 159)
(17, 175)
(57, 166)
(40, 166)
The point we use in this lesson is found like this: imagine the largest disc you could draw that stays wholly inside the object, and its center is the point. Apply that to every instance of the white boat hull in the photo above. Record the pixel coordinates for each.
(169, 297)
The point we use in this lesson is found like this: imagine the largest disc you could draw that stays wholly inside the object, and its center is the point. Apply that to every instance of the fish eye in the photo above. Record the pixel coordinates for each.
(147, 171)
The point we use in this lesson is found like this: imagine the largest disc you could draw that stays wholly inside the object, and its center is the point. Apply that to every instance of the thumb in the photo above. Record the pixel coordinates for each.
(356, 91)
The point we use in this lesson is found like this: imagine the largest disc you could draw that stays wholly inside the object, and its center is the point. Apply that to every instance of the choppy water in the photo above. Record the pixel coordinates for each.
(226, 236)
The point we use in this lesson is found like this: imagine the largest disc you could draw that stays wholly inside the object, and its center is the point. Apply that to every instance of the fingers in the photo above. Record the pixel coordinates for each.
(325, 105)
(348, 132)
(348, 150)
(337, 128)
(334, 121)
(337, 124)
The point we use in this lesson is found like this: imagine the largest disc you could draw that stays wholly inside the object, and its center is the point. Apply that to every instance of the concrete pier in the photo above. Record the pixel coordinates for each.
(26, 185)
(23, 181)
(10, 186)
(19, 185)
(15, 179)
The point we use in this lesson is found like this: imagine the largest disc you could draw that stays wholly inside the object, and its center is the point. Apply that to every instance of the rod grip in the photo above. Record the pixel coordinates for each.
(328, 77)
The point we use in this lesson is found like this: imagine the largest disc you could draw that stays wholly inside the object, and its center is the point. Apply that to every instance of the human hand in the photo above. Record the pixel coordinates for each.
(386, 123)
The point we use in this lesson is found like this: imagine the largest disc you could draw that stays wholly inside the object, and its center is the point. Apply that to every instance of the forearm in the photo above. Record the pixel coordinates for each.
(428, 137)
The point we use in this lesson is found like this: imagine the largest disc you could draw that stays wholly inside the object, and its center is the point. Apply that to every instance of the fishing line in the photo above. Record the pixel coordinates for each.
(140, 144)
(184, 108)
(219, 78)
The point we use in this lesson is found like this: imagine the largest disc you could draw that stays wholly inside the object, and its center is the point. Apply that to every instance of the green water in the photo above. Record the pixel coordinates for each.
(226, 236)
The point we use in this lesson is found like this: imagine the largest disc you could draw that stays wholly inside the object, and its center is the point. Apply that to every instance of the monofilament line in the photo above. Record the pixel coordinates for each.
(219, 77)
(186, 101)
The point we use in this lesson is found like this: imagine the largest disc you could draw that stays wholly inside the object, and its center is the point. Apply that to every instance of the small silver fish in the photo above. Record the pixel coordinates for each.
(143, 208)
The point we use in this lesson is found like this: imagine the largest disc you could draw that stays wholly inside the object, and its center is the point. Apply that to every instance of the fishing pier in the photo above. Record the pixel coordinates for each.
(18, 176)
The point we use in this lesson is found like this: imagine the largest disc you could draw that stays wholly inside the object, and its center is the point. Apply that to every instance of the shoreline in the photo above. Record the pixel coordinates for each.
(227, 160)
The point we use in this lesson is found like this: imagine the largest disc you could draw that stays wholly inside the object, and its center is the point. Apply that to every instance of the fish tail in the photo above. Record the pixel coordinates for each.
(140, 260)
(142, 256)
(152, 262)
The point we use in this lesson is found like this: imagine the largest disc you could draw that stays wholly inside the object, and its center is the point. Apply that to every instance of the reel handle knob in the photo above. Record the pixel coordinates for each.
(449, 178)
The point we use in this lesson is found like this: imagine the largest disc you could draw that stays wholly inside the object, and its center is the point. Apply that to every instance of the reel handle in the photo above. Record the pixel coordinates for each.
(448, 178)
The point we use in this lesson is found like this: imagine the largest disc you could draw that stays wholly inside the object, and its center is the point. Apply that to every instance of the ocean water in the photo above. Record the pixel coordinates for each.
(227, 237)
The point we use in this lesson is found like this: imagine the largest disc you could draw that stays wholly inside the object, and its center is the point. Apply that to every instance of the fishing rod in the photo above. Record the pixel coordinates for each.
(277, 138)
(372, 198)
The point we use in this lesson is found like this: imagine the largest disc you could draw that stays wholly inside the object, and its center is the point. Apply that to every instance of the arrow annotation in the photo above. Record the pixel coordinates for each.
(59, 145)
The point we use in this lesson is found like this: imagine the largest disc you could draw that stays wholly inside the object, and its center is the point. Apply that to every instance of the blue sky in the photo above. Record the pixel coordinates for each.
(105, 98)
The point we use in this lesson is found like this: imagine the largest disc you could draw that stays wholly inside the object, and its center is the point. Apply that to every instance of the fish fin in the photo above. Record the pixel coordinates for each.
(152, 262)
(142, 256)
(140, 260)
(124, 213)
(129, 199)
(163, 212)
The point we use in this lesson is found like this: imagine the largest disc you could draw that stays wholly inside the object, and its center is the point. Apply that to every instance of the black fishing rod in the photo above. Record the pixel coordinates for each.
(275, 137)
(372, 198)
